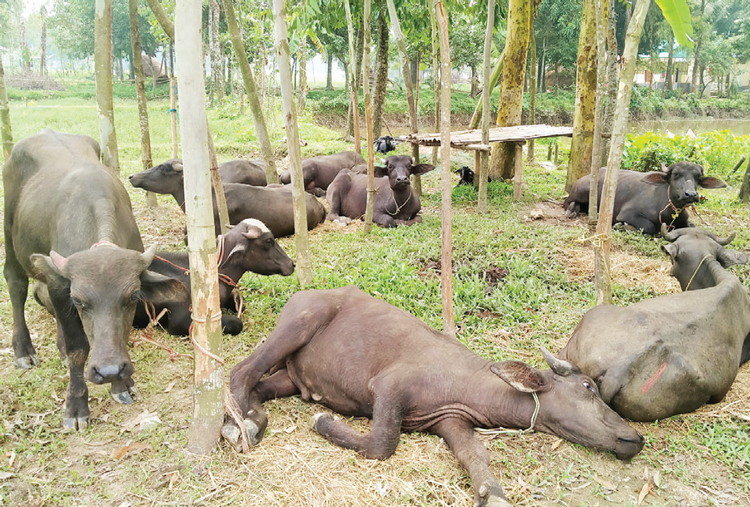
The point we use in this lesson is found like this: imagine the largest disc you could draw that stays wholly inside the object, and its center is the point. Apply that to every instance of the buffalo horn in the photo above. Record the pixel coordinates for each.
(723, 241)
(559, 366)
(148, 255)
(669, 236)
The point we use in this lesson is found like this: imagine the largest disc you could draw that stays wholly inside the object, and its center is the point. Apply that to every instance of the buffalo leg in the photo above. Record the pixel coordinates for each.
(18, 287)
(638, 222)
(473, 456)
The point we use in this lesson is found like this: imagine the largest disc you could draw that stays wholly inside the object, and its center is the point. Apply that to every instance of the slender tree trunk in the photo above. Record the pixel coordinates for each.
(368, 119)
(697, 54)
(583, 118)
(435, 80)
(446, 250)
(302, 91)
(543, 67)
(358, 66)
(5, 130)
(162, 17)
(140, 89)
(252, 93)
(532, 87)
(669, 75)
(612, 79)
(217, 59)
(486, 90)
(381, 80)
(43, 44)
(604, 226)
(329, 71)
(502, 162)
(601, 75)
(103, 67)
(208, 412)
(353, 87)
(493, 80)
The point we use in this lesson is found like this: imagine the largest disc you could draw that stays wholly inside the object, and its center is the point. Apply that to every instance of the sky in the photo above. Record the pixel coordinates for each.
(30, 6)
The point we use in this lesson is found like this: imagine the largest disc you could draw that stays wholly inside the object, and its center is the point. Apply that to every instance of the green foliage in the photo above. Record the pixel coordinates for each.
(677, 14)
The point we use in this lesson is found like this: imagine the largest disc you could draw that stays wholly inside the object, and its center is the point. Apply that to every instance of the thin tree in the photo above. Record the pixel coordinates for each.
(281, 50)
(612, 79)
(353, 87)
(103, 72)
(5, 130)
(368, 119)
(217, 58)
(408, 84)
(446, 249)
(302, 59)
(140, 90)
(497, 71)
(486, 88)
(532, 86)
(43, 44)
(381, 72)
(208, 412)
(600, 13)
(435, 79)
(162, 17)
(252, 93)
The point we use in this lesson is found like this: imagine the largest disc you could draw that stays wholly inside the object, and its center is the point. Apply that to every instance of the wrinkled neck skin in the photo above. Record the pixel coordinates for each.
(179, 196)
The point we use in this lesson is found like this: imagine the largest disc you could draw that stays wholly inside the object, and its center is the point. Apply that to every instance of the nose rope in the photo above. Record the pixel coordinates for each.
(696, 271)
(485, 431)
(675, 209)
(398, 208)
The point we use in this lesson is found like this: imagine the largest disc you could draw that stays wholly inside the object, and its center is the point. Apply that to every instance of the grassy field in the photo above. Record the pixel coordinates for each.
(522, 279)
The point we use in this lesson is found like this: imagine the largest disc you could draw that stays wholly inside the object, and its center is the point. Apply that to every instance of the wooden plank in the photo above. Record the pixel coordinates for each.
(518, 133)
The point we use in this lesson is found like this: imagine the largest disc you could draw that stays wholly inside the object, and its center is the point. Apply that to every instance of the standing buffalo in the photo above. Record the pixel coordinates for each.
(646, 200)
(271, 205)
(319, 172)
(396, 203)
(70, 225)
(671, 354)
(362, 357)
(248, 246)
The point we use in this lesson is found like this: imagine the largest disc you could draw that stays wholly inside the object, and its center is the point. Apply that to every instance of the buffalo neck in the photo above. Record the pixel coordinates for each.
(179, 196)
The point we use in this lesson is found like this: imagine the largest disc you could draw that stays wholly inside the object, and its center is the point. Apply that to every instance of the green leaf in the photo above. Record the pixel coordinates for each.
(677, 14)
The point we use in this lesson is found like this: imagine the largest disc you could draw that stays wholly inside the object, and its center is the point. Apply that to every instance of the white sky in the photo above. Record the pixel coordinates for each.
(30, 6)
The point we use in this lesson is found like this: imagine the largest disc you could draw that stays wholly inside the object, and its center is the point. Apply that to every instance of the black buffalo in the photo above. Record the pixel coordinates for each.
(319, 172)
(385, 144)
(396, 203)
(70, 225)
(249, 172)
(272, 205)
(646, 200)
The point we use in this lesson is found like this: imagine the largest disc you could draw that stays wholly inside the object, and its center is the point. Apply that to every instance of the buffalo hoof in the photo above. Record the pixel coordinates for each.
(490, 496)
(123, 393)
(319, 419)
(75, 423)
(231, 434)
(27, 362)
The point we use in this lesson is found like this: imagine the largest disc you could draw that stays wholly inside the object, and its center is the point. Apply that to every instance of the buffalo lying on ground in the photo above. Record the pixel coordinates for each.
(70, 225)
(248, 246)
(320, 171)
(271, 205)
(646, 200)
(670, 354)
(248, 172)
(396, 203)
(362, 357)
(384, 144)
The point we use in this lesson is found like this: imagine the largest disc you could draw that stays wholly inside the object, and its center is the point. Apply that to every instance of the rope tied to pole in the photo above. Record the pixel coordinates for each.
(597, 239)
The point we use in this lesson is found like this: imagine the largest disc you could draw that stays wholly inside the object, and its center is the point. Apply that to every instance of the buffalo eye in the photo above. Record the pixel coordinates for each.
(588, 385)
(269, 243)
(78, 303)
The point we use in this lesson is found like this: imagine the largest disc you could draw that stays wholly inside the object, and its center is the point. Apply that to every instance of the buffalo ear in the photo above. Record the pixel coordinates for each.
(420, 169)
(656, 178)
(48, 268)
(711, 182)
(380, 171)
(670, 249)
(159, 289)
(729, 257)
(520, 376)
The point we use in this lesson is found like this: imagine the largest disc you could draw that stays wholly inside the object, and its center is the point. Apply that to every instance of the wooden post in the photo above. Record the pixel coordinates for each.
(596, 146)
(446, 251)
(481, 172)
(368, 120)
(221, 199)
(744, 195)
(353, 79)
(173, 116)
(208, 412)
(517, 177)
(281, 49)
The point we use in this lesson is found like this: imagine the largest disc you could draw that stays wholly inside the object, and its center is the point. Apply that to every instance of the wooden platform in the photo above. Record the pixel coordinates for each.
(472, 140)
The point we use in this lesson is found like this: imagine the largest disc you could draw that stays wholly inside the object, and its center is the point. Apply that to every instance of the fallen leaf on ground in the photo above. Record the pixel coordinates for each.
(605, 484)
(130, 449)
(144, 421)
(644, 492)
(170, 386)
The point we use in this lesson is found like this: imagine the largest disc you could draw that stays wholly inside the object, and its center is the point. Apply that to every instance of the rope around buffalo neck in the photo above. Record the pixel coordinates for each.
(485, 431)
(677, 211)
(398, 208)
(696, 271)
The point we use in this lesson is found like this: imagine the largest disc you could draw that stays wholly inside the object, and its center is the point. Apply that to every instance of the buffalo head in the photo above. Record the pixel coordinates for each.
(165, 178)
(398, 168)
(570, 406)
(683, 179)
(250, 246)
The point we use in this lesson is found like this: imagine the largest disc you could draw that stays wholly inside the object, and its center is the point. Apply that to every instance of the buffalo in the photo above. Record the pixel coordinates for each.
(384, 144)
(396, 203)
(272, 205)
(362, 357)
(670, 354)
(248, 246)
(644, 201)
(319, 172)
(248, 172)
(69, 224)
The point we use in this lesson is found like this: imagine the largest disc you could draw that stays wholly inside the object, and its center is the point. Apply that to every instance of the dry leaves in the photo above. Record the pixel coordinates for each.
(131, 449)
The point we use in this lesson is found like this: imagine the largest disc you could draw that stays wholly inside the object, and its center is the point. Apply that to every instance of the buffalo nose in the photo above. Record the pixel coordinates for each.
(108, 373)
(692, 194)
(130, 177)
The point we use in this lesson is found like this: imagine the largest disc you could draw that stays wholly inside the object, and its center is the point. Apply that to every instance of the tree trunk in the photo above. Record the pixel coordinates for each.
(493, 80)
(302, 91)
(353, 87)
(358, 70)
(161, 16)
(103, 71)
(542, 67)
(502, 163)
(5, 130)
(669, 75)
(208, 412)
(413, 119)
(43, 45)
(140, 90)
(329, 71)
(252, 93)
(744, 194)
(612, 78)
(583, 117)
(446, 250)
(281, 51)
(604, 226)
(368, 119)
(217, 59)
(601, 75)
(532, 88)
(486, 90)
(697, 54)
(381, 79)
(435, 80)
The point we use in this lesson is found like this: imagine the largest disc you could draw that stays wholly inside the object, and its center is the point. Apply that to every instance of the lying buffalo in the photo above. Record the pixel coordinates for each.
(362, 357)
(395, 201)
(671, 354)
(248, 172)
(271, 205)
(320, 171)
(646, 200)
(69, 224)
(248, 246)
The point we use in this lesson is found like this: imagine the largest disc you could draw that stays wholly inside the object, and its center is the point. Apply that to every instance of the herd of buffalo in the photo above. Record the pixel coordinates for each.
(69, 225)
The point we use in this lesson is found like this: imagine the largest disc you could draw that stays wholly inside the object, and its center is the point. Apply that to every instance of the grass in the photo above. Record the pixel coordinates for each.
(521, 281)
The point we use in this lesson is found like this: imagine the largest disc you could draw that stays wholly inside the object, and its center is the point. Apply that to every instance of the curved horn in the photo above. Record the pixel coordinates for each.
(724, 241)
(669, 236)
(148, 256)
(664, 167)
(559, 366)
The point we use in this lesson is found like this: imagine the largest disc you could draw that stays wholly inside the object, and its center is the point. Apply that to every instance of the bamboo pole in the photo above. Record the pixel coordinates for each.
(368, 121)
(596, 147)
(353, 79)
(484, 156)
(208, 412)
(281, 50)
